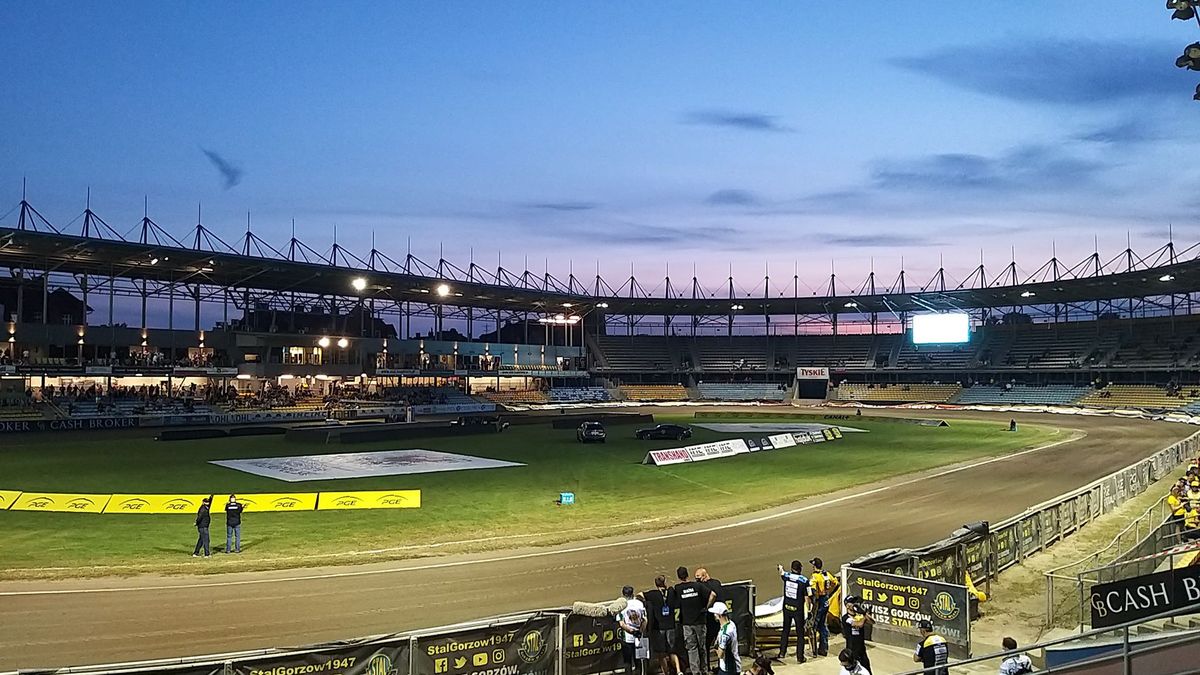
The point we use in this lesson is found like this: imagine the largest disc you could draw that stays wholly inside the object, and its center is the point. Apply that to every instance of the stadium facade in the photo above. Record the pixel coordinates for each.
(93, 306)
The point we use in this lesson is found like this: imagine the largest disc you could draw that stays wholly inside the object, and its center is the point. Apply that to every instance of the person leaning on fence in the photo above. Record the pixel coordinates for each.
(1176, 507)
(1016, 663)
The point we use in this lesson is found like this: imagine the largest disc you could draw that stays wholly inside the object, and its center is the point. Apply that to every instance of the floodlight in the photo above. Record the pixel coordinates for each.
(1167, 277)
(851, 305)
(737, 307)
(154, 261)
(1185, 10)
(1190, 58)
(604, 305)
(359, 283)
(343, 343)
(443, 290)
(567, 305)
(1028, 294)
(323, 342)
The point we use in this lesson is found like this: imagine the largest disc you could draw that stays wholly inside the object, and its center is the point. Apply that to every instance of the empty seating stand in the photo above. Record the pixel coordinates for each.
(638, 353)
(731, 353)
(531, 396)
(578, 395)
(742, 391)
(929, 393)
(654, 392)
(1140, 396)
(1020, 394)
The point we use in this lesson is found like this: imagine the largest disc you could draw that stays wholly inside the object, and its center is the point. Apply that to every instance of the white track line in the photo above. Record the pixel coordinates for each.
(544, 554)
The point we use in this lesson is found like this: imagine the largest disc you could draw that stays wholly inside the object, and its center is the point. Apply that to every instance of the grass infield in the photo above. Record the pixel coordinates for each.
(461, 511)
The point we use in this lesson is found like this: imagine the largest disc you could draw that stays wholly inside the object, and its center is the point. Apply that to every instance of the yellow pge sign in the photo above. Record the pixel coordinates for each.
(379, 499)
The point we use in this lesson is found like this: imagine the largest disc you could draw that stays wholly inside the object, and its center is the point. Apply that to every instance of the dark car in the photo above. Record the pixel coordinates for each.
(591, 431)
(674, 432)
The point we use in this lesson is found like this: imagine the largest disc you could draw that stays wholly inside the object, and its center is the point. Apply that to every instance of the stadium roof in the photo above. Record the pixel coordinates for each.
(262, 267)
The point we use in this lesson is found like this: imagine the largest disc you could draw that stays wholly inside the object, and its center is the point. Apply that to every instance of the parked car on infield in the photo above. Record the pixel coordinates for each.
(674, 432)
(591, 431)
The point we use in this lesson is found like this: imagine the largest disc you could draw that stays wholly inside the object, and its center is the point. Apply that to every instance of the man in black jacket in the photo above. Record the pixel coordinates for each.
(233, 525)
(202, 521)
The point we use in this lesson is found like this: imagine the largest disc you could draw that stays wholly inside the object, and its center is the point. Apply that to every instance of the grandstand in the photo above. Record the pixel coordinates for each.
(1140, 396)
(742, 391)
(284, 346)
(895, 393)
(654, 392)
(1021, 394)
(578, 395)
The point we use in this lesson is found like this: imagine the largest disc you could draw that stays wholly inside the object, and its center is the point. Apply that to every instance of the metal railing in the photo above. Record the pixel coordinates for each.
(1128, 653)
(1064, 583)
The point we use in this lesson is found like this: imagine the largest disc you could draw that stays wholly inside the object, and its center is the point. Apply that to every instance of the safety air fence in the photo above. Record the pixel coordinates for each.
(541, 642)
(968, 553)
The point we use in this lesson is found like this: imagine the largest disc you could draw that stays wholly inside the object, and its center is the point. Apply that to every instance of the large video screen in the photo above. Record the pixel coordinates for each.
(940, 329)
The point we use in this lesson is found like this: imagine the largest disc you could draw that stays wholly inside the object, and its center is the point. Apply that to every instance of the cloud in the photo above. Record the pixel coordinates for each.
(230, 174)
(745, 121)
(1127, 132)
(1027, 168)
(732, 197)
(563, 206)
(877, 240)
(1060, 72)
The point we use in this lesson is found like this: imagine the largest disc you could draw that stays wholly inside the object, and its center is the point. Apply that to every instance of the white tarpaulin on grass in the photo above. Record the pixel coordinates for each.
(770, 427)
(360, 464)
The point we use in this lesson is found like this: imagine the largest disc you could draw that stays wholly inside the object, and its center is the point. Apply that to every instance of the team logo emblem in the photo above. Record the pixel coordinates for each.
(380, 664)
(532, 647)
(944, 607)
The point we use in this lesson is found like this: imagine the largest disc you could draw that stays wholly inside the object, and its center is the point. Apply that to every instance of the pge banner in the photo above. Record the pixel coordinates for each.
(591, 644)
(1141, 597)
(526, 648)
(897, 603)
(7, 497)
(385, 657)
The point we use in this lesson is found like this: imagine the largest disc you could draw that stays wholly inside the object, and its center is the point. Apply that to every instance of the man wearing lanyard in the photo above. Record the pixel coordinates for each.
(795, 595)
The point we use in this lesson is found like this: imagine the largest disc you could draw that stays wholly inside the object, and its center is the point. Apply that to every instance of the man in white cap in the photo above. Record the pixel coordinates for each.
(728, 661)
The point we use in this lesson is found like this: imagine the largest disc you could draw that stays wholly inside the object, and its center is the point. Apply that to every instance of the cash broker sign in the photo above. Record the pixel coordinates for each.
(1145, 596)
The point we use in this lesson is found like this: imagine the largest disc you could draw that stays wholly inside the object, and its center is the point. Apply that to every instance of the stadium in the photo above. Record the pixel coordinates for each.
(901, 455)
(327, 358)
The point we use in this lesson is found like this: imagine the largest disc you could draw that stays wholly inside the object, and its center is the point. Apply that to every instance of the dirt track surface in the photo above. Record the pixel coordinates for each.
(53, 624)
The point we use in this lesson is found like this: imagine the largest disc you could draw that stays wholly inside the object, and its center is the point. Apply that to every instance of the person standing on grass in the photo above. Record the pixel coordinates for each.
(233, 525)
(203, 519)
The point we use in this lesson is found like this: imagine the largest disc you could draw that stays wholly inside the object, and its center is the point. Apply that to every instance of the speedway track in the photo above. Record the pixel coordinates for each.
(51, 624)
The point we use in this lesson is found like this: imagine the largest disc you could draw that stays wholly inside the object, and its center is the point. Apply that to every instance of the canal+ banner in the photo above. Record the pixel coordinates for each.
(1128, 600)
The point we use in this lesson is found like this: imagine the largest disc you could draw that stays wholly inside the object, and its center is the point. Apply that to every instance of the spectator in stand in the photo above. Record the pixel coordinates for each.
(1176, 506)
